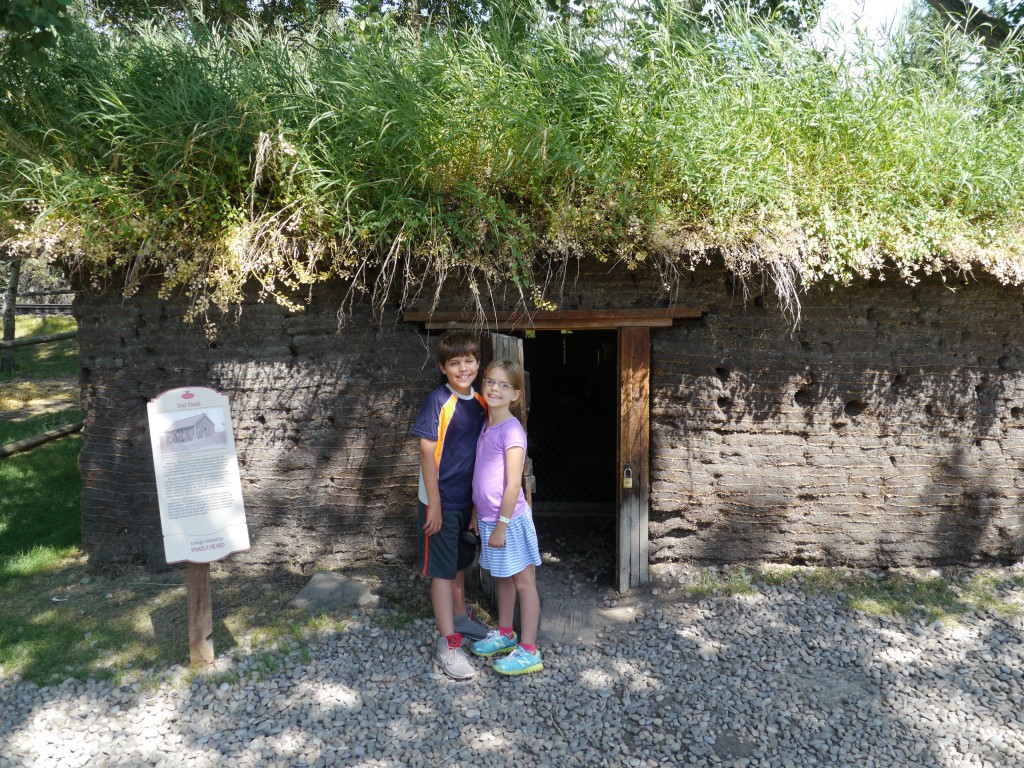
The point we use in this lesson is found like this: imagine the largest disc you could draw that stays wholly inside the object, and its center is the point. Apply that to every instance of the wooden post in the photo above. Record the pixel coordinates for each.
(634, 453)
(10, 300)
(200, 614)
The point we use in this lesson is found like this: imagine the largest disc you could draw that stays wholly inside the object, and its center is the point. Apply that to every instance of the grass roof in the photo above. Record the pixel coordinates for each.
(366, 151)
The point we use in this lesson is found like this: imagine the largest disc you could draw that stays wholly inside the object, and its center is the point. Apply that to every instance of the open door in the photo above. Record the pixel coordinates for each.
(632, 465)
(630, 473)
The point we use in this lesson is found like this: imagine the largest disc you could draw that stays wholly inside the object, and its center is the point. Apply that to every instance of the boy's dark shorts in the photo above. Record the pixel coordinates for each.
(451, 549)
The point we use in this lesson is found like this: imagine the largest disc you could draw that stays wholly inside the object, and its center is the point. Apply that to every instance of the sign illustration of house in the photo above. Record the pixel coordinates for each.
(191, 429)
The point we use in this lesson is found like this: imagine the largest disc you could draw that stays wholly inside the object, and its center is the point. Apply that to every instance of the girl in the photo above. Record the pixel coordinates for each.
(509, 541)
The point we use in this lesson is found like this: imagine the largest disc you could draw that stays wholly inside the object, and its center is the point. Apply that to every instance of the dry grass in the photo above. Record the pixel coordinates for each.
(24, 399)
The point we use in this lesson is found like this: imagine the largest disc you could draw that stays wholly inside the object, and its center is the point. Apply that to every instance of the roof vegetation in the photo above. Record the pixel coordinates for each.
(397, 157)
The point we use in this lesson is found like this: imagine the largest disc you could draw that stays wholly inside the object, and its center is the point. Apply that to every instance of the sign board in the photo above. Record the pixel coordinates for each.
(197, 478)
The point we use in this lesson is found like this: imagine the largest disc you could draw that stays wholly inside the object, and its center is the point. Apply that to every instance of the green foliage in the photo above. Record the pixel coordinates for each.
(268, 14)
(796, 15)
(373, 152)
(127, 13)
(27, 27)
(36, 275)
(1010, 11)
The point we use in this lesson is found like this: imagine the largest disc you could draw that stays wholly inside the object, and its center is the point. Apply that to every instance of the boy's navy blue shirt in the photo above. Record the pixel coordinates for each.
(454, 421)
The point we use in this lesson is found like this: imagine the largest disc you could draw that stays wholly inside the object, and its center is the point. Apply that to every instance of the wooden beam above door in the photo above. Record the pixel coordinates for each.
(555, 320)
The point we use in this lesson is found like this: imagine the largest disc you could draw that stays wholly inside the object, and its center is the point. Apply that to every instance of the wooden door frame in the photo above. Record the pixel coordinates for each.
(633, 341)
(634, 352)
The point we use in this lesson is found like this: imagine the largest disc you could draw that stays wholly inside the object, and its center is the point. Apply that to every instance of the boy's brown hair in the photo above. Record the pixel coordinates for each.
(457, 343)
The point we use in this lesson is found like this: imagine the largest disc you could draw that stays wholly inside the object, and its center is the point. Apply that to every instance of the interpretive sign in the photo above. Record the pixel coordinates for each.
(197, 479)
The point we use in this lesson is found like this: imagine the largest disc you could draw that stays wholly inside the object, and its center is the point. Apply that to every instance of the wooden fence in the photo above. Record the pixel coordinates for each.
(43, 308)
(10, 344)
(68, 429)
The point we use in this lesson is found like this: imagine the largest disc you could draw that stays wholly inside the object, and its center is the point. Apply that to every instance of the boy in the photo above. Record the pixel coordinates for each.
(448, 425)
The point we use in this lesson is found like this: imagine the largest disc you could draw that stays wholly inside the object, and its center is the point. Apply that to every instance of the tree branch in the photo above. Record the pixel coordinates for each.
(992, 30)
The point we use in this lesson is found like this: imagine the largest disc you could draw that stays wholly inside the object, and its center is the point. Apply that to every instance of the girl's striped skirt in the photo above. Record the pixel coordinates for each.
(520, 548)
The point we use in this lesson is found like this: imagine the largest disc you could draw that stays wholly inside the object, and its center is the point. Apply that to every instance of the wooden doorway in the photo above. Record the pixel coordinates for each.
(631, 329)
(574, 424)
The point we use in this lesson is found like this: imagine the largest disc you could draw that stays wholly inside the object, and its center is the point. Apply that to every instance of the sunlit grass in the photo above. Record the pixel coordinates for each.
(61, 621)
(735, 580)
(39, 507)
(11, 431)
(925, 594)
(930, 595)
(38, 560)
(896, 594)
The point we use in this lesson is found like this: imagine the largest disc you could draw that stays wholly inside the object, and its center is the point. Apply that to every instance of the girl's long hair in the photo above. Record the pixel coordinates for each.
(517, 379)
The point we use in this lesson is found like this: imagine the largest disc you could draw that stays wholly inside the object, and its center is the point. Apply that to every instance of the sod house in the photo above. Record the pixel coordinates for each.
(886, 429)
(189, 430)
(631, 207)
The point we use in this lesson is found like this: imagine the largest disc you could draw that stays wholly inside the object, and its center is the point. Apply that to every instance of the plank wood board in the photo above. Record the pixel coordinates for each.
(569, 620)
(634, 452)
(562, 319)
(200, 614)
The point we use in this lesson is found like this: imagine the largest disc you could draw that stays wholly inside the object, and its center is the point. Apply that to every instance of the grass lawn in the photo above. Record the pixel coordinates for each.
(39, 506)
(41, 393)
(57, 359)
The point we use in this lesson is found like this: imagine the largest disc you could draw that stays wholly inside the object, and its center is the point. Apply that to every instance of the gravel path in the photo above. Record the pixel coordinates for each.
(781, 677)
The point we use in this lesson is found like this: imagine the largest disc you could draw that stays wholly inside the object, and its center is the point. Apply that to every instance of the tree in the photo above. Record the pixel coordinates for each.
(992, 28)
(124, 13)
(797, 15)
(269, 13)
(9, 316)
(27, 27)
(1010, 11)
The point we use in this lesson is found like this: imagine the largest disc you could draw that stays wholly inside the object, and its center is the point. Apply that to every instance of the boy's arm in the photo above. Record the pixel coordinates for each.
(514, 458)
(429, 469)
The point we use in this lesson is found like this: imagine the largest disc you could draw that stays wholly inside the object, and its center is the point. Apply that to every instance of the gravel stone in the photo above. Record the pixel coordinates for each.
(779, 678)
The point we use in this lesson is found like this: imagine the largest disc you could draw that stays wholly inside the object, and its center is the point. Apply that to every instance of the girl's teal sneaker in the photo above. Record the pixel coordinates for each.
(519, 662)
(494, 644)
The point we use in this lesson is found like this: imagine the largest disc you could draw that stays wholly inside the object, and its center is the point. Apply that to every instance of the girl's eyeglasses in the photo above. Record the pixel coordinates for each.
(504, 386)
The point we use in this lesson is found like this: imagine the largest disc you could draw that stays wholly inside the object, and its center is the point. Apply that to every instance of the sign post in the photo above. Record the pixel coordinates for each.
(200, 494)
(200, 614)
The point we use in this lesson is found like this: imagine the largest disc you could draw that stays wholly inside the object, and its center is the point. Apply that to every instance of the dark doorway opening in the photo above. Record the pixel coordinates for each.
(572, 444)
(573, 419)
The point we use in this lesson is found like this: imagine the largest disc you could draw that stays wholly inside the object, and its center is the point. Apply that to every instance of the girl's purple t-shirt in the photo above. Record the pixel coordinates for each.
(489, 473)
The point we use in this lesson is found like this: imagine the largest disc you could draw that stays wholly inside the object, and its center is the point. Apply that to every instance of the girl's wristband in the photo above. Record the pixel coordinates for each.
(505, 520)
